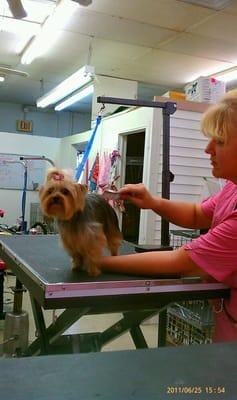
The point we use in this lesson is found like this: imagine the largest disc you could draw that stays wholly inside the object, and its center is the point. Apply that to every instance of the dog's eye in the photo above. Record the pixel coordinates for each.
(65, 192)
(49, 191)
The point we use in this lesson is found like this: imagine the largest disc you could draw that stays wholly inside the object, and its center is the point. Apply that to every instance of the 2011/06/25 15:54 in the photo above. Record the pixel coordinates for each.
(195, 389)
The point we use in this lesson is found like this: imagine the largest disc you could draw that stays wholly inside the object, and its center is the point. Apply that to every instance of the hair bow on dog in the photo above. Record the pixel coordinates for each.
(58, 177)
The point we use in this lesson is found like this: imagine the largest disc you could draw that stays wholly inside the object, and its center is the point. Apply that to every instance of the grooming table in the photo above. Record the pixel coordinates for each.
(204, 372)
(44, 268)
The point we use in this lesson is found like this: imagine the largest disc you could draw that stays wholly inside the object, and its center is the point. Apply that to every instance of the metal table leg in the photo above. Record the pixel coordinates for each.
(47, 336)
(162, 323)
(129, 323)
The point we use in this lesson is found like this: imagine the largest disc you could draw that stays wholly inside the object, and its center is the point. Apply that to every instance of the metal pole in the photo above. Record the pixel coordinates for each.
(167, 176)
(33, 158)
(136, 103)
(23, 161)
(23, 204)
(24, 222)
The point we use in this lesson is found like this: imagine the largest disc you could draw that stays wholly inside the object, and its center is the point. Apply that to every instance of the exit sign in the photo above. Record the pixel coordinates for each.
(24, 126)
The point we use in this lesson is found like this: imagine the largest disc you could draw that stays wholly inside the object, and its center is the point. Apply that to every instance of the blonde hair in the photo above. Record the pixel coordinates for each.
(220, 119)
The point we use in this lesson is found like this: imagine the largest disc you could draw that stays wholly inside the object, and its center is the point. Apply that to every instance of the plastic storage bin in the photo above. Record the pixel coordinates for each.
(189, 322)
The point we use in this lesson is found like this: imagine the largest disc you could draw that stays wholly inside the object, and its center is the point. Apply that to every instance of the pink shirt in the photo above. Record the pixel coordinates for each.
(216, 253)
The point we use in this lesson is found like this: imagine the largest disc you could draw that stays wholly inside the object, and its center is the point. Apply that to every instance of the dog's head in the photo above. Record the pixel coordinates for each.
(61, 197)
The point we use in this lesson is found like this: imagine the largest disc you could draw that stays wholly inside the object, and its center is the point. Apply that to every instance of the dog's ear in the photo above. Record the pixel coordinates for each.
(82, 187)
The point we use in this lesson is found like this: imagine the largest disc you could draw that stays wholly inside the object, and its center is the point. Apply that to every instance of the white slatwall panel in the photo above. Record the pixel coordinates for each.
(188, 161)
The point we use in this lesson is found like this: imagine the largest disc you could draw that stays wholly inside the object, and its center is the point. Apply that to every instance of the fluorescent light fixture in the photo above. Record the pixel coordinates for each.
(75, 98)
(2, 78)
(77, 80)
(49, 31)
(227, 75)
(10, 71)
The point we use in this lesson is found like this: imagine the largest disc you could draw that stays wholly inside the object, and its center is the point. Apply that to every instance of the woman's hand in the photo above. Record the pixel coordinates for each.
(137, 194)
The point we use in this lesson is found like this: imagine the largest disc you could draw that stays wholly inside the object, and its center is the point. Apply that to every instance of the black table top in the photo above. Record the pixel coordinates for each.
(200, 372)
(42, 260)
(45, 269)
(44, 255)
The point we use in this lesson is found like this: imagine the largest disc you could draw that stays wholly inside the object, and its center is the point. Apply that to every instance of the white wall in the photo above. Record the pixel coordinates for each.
(109, 137)
(112, 87)
(188, 161)
(10, 200)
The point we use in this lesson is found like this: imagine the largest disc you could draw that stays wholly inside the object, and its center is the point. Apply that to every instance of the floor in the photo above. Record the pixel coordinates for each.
(86, 324)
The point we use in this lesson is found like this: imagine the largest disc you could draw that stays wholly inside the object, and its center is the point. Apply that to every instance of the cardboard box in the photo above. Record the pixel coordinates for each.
(205, 89)
(174, 95)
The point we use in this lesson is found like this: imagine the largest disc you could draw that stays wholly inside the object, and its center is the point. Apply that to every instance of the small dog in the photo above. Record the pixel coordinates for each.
(87, 223)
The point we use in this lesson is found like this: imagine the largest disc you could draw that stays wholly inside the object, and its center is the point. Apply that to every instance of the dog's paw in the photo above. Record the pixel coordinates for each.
(75, 267)
(76, 264)
(94, 271)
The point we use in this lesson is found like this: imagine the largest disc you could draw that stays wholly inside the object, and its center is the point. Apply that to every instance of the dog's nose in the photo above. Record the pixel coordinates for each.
(56, 199)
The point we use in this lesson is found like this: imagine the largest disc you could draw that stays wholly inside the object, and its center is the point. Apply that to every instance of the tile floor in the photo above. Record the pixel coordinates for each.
(91, 323)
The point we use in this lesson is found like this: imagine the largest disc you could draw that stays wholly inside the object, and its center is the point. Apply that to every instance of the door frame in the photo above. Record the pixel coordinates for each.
(122, 145)
(151, 170)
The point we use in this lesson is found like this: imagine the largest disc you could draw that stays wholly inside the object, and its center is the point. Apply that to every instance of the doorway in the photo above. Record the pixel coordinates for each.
(134, 145)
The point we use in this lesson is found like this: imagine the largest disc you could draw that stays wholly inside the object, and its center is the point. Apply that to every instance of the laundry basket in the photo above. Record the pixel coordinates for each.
(188, 322)
(179, 237)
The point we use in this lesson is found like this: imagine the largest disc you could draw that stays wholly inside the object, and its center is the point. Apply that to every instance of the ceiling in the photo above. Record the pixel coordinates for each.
(162, 44)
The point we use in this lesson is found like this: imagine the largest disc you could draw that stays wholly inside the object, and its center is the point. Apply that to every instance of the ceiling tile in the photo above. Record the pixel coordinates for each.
(119, 29)
(167, 68)
(220, 26)
(170, 14)
(198, 46)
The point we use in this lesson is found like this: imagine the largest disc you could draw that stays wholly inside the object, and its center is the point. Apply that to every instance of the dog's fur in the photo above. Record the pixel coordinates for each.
(87, 223)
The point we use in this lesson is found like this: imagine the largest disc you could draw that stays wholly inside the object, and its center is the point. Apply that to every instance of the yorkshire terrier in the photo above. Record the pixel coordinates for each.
(87, 223)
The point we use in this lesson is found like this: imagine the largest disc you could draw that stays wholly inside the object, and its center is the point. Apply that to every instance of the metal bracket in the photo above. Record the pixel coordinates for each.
(168, 106)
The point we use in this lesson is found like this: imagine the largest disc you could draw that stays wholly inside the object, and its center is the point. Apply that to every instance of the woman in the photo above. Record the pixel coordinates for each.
(215, 253)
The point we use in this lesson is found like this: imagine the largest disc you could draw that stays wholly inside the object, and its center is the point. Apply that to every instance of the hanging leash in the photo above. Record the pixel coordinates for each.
(81, 166)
